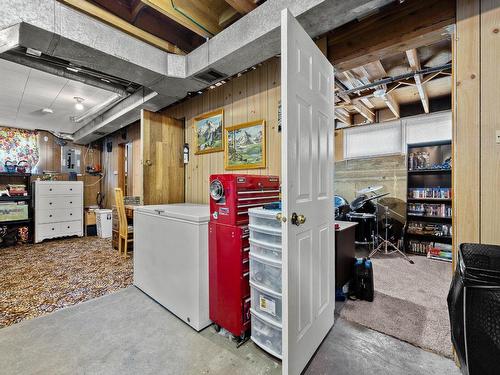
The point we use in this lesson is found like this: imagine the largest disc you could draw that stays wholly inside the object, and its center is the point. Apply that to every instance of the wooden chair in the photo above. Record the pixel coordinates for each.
(124, 229)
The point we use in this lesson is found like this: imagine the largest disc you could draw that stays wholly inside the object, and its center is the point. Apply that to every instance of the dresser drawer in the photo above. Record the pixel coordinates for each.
(50, 230)
(59, 189)
(48, 203)
(58, 214)
(71, 227)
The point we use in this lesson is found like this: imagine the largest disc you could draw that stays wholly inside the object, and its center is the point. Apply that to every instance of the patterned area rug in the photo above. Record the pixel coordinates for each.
(38, 279)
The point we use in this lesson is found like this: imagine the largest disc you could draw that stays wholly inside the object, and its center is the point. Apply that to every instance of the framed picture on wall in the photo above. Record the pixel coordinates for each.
(245, 146)
(208, 132)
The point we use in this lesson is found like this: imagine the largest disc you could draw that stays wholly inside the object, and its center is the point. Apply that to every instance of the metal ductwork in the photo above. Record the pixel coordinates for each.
(61, 32)
(19, 57)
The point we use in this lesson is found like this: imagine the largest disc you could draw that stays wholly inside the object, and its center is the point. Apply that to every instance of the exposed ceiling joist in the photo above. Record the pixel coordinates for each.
(242, 6)
(195, 18)
(377, 71)
(227, 17)
(115, 21)
(393, 105)
(364, 111)
(414, 61)
(136, 8)
(360, 81)
(373, 38)
(343, 116)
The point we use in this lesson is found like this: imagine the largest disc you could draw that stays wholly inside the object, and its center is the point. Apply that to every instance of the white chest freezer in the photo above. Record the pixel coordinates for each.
(171, 258)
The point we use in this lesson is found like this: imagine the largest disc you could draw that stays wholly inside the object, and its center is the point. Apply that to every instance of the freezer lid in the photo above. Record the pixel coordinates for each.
(198, 213)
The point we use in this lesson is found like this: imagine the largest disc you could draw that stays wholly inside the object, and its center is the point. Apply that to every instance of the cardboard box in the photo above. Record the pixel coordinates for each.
(90, 217)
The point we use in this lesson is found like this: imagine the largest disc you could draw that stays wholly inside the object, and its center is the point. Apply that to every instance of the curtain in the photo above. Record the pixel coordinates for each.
(17, 145)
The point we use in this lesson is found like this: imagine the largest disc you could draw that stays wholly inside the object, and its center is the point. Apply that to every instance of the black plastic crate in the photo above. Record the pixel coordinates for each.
(474, 308)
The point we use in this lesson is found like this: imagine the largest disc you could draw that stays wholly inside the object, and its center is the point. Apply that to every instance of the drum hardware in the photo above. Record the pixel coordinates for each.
(370, 189)
(385, 244)
(364, 229)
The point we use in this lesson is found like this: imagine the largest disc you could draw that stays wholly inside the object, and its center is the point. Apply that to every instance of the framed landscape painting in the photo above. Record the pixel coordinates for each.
(208, 132)
(245, 146)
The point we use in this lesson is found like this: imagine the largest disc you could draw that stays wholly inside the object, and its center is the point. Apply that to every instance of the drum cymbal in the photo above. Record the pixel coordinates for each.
(376, 197)
(370, 189)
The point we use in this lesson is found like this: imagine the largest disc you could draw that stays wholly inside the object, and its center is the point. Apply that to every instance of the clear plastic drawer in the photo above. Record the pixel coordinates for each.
(265, 234)
(265, 272)
(266, 302)
(264, 218)
(266, 250)
(266, 334)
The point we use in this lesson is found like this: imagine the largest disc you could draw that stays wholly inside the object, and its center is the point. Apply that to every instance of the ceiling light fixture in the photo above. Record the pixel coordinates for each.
(47, 110)
(71, 69)
(79, 106)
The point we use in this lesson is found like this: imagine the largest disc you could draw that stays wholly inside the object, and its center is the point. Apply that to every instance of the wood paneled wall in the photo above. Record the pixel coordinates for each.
(50, 154)
(252, 96)
(476, 155)
(110, 162)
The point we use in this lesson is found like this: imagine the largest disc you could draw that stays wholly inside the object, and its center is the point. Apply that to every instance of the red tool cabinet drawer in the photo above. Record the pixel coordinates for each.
(246, 310)
(246, 265)
(245, 284)
(235, 194)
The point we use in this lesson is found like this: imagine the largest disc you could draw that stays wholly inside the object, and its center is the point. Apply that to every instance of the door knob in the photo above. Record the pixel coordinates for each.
(280, 217)
(298, 219)
(149, 163)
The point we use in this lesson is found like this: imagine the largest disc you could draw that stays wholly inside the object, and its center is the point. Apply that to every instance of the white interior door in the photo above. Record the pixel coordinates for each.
(307, 81)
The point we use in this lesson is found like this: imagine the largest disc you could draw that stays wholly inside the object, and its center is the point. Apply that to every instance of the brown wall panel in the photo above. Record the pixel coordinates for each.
(252, 96)
(490, 121)
(467, 131)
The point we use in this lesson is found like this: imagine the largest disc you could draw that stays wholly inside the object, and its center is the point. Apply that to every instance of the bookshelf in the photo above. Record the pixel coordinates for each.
(8, 227)
(429, 195)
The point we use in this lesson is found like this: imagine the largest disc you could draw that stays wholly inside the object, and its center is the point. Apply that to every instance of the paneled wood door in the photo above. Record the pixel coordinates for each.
(307, 155)
(162, 140)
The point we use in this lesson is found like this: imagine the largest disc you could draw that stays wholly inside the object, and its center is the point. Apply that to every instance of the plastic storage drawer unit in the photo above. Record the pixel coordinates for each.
(264, 218)
(266, 302)
(265, 272)
(265, 234)
(266, 250)
(266, 334)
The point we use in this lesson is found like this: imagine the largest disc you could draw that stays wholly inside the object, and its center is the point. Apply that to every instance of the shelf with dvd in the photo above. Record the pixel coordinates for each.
(429, 197)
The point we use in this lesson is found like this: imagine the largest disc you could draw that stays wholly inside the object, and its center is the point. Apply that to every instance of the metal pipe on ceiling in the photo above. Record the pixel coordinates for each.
(62, 72)
(400, 77)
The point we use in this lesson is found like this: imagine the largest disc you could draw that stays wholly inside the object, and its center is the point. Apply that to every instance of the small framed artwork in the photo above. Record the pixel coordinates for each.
(245, 146)
(208, 132)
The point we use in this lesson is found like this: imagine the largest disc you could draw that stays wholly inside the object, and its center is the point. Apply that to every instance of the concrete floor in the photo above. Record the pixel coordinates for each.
(128, 333)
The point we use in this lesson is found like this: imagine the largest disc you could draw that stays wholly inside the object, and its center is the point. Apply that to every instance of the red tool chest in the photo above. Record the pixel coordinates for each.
(241, 192)
(231, 195)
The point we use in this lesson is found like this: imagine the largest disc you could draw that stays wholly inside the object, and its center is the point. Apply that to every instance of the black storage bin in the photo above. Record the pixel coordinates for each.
(474, 307)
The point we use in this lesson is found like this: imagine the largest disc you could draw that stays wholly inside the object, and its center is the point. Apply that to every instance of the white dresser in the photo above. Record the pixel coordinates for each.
(58, 209)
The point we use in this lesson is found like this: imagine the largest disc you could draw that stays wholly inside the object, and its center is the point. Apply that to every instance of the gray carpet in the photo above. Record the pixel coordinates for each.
(128, 333)
(410, 302)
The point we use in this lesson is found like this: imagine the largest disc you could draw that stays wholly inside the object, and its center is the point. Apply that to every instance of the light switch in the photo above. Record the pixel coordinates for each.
(498, 136)
(115, 173)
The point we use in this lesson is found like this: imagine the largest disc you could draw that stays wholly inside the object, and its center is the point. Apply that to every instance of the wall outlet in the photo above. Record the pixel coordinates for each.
(498, 136)
(115, 173)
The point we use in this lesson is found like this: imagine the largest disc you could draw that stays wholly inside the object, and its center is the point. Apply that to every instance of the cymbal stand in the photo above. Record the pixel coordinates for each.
(383, 246)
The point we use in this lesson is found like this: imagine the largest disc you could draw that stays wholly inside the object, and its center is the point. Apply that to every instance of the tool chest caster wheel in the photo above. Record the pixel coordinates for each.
(217, 327)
